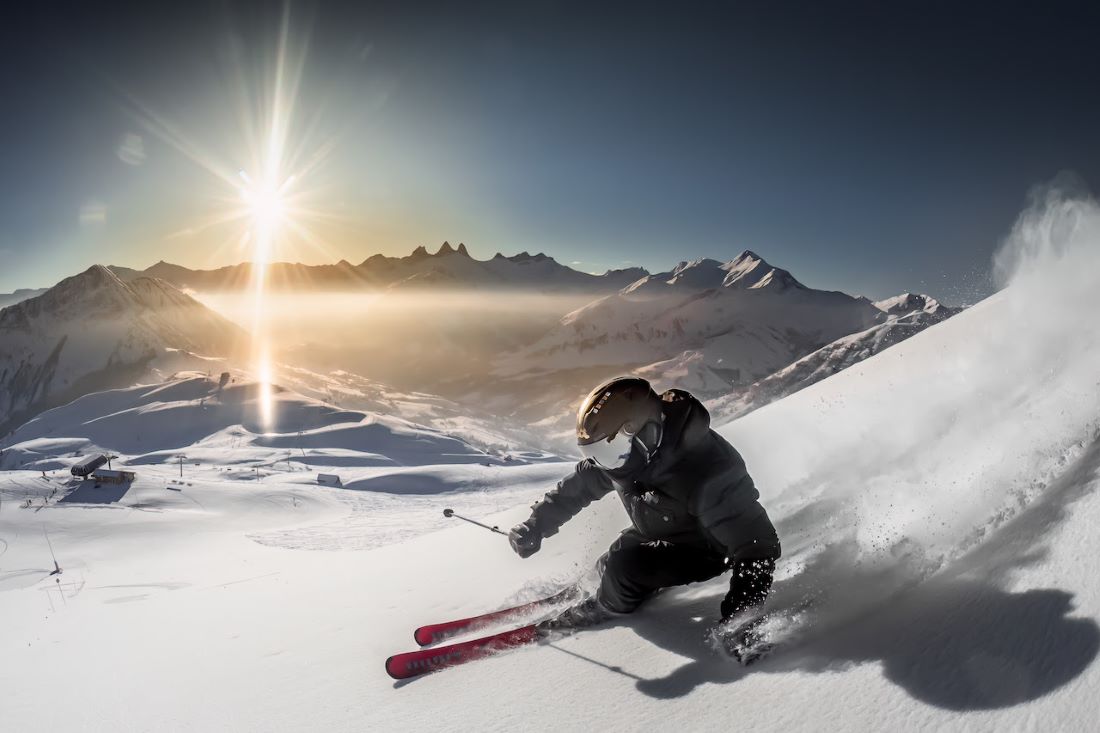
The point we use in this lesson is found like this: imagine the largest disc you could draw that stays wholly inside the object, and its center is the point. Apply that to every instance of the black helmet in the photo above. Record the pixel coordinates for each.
(617, 417)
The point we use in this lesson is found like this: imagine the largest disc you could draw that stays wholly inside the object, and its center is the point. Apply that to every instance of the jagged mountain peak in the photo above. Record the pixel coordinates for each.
(96, 287)
(96, 274)
(526, 256)
(748, 256)
(750, 271)
(906, 303)
(444, 250)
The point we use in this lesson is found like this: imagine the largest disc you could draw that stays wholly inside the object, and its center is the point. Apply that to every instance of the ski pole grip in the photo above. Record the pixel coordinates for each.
(448, 513)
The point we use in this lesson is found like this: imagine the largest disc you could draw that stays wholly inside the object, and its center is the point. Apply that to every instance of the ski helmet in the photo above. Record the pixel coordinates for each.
(618, 417)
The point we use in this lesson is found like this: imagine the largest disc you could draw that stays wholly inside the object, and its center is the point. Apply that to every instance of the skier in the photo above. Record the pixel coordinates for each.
(691, 501)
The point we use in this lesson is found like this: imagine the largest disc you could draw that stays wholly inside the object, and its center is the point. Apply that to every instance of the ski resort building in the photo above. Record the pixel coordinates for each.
(103, 476)
(88, 464)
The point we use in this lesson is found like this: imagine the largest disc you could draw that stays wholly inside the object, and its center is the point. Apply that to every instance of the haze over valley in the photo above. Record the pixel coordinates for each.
(518, 339)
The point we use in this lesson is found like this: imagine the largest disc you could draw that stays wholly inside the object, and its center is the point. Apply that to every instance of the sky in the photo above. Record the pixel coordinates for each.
(873, 148)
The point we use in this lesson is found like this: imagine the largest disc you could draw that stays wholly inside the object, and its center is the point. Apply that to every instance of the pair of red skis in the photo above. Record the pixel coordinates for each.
(433, 658)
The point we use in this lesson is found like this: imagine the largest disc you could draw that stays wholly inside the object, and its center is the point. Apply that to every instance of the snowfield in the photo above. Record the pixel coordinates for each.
(937, 504)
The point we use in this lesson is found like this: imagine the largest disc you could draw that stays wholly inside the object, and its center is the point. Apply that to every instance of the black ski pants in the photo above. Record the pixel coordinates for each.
(635, 567)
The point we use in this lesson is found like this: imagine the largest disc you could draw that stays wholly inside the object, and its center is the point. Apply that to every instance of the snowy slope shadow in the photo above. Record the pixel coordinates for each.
(88, 492)
(957, 645)
(958, 640)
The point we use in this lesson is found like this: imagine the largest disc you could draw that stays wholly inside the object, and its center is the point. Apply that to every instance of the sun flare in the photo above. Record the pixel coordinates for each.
(266, 201)
(264, 194)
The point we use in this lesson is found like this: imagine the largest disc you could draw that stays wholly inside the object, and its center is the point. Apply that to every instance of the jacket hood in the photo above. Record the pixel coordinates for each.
(687, 422)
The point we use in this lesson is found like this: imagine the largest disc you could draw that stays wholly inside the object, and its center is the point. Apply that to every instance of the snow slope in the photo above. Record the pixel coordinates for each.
(491, 433)
(937, 504)
(152, 424)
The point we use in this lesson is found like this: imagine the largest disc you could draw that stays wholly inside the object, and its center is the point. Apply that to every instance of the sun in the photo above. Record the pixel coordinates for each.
(264, 201)
(267, 204)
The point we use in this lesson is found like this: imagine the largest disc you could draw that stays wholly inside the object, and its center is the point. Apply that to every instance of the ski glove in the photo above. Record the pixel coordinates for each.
(525, 539)
(749, 586)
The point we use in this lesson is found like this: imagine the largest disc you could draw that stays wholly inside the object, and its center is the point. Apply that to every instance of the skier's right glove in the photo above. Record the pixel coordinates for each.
(749, 586)
(525, 539)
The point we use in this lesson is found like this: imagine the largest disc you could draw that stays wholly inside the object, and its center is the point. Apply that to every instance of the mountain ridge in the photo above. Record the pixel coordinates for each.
(95, 331)
(449, 266)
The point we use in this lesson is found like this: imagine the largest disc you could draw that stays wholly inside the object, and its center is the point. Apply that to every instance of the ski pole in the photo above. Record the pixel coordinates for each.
(451, 513)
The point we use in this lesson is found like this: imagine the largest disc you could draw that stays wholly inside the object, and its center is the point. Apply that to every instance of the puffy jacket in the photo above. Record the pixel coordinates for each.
(695, 489)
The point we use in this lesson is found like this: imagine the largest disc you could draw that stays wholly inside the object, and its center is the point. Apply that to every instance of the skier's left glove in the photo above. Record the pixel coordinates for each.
(525, 539)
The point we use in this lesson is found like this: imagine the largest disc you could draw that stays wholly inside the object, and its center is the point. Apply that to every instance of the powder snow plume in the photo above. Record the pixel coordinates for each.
(903, 468)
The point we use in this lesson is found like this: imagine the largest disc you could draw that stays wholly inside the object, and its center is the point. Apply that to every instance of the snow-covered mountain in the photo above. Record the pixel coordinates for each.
(908, 316)
(706, 326)
(447, 268)
(909, 303)
(93, 331)
(747, 271)
(745, 317)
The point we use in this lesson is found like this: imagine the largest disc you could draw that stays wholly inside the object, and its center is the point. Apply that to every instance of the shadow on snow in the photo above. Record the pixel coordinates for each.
(957, 640)
(88, 492)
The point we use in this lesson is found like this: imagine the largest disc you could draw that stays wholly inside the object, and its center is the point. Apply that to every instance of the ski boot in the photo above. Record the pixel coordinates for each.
(585, 614)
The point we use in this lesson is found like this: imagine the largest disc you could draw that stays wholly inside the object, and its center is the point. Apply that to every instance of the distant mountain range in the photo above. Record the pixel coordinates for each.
(449, 267)
(740, 334)
(19, 296)
(93, 331)
(747, 271)
(748, 318)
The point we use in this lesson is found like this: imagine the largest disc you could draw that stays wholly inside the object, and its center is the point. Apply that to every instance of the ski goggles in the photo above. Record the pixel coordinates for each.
(614, 451)
(611, 452)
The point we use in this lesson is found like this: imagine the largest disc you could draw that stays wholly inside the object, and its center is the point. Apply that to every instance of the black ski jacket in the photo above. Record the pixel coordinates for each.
(694, 490)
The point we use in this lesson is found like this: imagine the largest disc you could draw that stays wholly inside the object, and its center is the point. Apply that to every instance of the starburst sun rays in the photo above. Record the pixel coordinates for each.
(264, 198)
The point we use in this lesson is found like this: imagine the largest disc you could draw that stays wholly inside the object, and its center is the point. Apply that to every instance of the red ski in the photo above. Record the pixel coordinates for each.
(436, 633)
(413, 664)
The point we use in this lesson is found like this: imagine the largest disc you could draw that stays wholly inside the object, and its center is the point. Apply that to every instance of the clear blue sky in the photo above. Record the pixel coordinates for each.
(869, 147)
